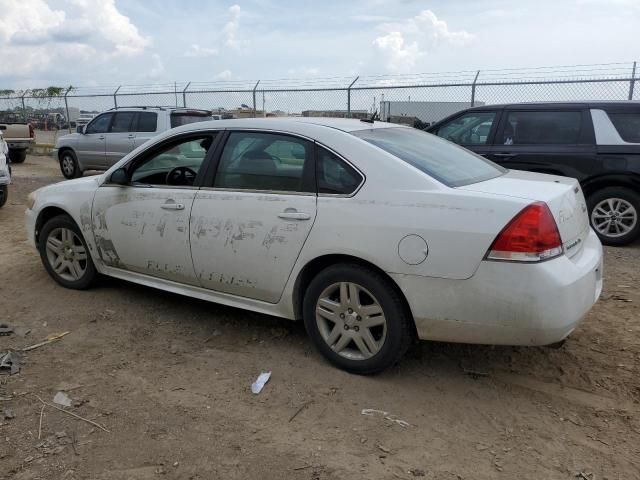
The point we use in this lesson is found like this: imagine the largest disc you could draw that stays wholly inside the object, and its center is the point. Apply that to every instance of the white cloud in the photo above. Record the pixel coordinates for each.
(403, 43)
(230, 30)
(197, 51)
(223, 75)
(35, 37)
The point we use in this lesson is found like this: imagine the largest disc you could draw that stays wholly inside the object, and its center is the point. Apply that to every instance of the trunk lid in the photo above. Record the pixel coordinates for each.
(563, 195)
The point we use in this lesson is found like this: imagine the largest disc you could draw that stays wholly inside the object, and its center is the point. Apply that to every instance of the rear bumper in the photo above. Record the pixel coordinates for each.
(508, 303)
(20, 144)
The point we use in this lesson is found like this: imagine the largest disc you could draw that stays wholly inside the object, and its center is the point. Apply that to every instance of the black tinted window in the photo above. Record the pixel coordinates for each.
(446, 162)
(627, 125)
(178, 119)
(470, 129)
(542, 128)
(123, 122)
(147, 122)
(335, 176)
(263, 161)
(100, 124)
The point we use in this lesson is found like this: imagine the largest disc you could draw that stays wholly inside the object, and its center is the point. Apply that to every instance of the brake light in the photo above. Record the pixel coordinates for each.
(531, 236)
(32, 132)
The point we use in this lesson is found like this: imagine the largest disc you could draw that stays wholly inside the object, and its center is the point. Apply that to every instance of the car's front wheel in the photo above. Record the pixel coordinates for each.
(614, 213)
(18, 156)
(357, 319)
(69, 165)
(4, 194)
(64, 253)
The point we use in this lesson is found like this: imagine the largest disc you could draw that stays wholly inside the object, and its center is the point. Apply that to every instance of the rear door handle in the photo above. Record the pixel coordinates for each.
(101, 137)
(293, 214)
(504, 155)
(131, 135)
(171, 205)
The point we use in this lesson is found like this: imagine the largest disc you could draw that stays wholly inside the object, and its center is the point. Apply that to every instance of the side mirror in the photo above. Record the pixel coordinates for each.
(80, 129)
(120, 177)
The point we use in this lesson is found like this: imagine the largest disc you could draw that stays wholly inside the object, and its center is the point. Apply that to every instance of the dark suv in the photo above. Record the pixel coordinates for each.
(596, 142)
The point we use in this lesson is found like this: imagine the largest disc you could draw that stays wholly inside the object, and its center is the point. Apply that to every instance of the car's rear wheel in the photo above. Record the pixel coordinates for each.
(18, 156)
(69, 165)
(357, 319)
(64, 253)
(4, 194)
(615, 215)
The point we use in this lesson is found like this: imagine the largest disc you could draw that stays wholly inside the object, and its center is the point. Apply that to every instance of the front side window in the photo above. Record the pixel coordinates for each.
(264, 161)
(122, 122)
(542, 128)
(627, 125)
(446, 162)
(100, 124)
(334, 176)
(175, 164)
(469, 129)
(147, 122)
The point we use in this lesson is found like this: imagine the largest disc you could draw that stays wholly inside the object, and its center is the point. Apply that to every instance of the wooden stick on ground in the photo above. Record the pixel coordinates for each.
(40, 424)
(72, 414)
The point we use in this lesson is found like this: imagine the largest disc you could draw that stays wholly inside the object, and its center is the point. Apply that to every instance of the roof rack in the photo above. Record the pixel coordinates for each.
(145, 107)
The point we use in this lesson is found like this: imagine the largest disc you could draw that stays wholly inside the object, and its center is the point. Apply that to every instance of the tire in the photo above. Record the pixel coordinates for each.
(77, 273)
(18, 156)
(620, 207)
(390, 340)
(69, 165)
(4, 194)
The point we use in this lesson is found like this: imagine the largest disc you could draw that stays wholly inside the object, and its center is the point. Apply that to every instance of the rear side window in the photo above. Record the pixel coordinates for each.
(542, 128)
(627, 125)
(446, 162)
(185, 118)
(334, 176)
(147, 122)
(469, 129)
(123, 122)
(264, 161)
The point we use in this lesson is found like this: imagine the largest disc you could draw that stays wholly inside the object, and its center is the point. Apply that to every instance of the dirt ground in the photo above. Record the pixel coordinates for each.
(169, 377)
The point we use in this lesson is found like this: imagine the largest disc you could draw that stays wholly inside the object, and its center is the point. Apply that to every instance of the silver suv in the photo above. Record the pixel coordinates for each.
(113, 134)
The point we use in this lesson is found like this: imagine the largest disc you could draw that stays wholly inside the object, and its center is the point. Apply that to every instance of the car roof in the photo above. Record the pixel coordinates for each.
(566, 104)
(291, 123)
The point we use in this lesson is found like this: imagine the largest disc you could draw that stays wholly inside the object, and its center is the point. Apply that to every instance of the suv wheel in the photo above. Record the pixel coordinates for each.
(65, 255)
(357, 319)
(18, 156)
(69, 165)
(615, 215)
(4, 194)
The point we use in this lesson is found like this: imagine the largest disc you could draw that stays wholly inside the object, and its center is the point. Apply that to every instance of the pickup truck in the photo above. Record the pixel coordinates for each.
(19, 137)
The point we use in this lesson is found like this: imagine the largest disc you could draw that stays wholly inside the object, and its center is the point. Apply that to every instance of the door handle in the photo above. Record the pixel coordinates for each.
(131, 135)
(172, 206)
(101, 137)
(504, 155)
(293, 214)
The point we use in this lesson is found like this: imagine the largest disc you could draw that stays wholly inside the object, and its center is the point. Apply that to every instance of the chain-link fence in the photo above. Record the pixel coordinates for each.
(414, 99)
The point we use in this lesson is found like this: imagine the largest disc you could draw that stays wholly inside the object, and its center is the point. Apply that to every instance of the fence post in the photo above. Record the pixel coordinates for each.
(184, 95)
(254, 100)
(115, 99)
(66, 108)
(349, 96)
(24, 109)
(633, 81)
(473, 89)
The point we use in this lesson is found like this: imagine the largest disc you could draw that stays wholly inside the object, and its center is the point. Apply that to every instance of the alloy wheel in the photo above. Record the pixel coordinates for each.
(68, 165)
(351, 321)
(614, 217)
(66, 254)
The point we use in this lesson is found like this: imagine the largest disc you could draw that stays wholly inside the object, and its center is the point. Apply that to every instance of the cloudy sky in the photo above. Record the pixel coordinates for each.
(108, 42)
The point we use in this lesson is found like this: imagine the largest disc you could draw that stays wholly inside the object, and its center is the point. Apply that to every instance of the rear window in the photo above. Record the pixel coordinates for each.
(542, 128)
(184, 118)
(627, 125)
(445, 161)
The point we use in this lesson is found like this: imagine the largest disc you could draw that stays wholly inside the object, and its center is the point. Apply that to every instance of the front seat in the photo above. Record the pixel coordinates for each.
(257, 170)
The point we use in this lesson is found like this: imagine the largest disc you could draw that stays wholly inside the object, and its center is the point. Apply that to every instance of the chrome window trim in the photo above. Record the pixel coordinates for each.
(263, 192)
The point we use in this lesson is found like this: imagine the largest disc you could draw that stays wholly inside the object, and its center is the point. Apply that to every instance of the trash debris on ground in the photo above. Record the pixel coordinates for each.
(10, 361)
(302, 407)
(8, 414)
(371, 412)
(54, 337)
(63, 399)
(21, 331)
(5, 329)
(75, 415)
(417, 472)
(258, 385)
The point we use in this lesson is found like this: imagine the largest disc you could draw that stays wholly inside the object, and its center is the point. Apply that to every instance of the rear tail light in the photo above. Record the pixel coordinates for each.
(531, 236)
(32, 132)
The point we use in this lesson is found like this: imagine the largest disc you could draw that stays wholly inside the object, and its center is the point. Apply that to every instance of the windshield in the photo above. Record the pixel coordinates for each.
(445, 161)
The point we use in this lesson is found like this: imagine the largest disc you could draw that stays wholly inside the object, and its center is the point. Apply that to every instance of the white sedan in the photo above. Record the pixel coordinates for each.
(374, 234)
